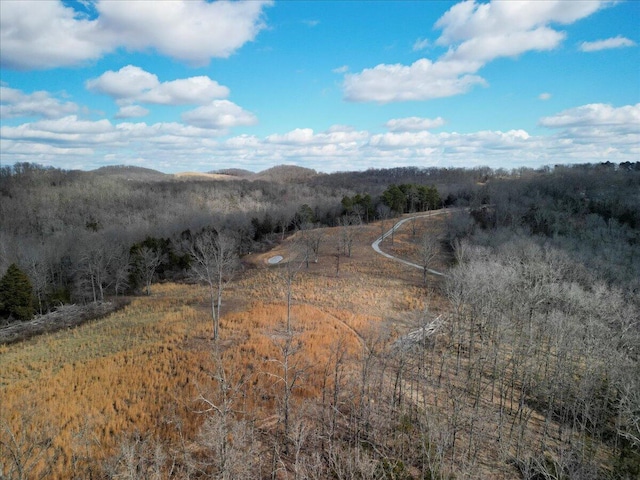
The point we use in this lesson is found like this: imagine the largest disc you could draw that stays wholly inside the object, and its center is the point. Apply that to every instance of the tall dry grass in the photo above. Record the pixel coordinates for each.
(128, 371)
(143, 368)
(78, 393)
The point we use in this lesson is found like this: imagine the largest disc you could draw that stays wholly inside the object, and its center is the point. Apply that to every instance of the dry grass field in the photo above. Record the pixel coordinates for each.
(71, 399)
(142, 368)
(202, 176)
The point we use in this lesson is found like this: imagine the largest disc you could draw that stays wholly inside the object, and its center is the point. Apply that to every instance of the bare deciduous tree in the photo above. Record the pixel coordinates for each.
(348, 232)
(120, 268)
(148, 260)
(140, 456)
(291, 368)
(428, 252)
(214, 261)
(38, 270)
(93, 268)
(383, 212)
(27, 450)
(311, 238)
(229, 439)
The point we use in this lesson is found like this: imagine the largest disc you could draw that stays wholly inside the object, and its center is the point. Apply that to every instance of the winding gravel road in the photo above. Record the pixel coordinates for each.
(376, 245)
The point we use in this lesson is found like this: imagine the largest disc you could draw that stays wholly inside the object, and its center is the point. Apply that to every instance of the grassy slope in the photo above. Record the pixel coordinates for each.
(143, 368)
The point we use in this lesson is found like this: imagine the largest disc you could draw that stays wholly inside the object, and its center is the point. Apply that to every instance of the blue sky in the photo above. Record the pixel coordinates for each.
(341, 85)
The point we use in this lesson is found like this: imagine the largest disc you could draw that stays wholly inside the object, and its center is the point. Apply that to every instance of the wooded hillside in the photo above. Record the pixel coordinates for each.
(517, 358)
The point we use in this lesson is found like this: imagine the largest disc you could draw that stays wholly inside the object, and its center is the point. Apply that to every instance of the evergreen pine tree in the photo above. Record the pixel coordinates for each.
(16, 294)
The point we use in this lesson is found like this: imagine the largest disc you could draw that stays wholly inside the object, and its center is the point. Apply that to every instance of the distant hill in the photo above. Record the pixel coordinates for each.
(278, 174)
(375, 181)
(286, 174)
(204, 176)
(128, 172)
(234, 172)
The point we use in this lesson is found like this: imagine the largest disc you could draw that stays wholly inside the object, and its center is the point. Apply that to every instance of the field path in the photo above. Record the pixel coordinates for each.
(341, 322)
(376, 244)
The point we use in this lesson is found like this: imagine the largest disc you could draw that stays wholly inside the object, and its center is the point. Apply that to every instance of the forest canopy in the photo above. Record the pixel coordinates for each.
(77, 234)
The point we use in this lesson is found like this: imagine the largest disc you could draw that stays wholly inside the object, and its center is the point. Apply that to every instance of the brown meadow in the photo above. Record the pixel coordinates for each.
(143, 368)
(150, 371)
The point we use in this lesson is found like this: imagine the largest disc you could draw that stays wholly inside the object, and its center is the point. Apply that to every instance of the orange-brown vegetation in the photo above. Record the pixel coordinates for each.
(152, 369)
(143, 368)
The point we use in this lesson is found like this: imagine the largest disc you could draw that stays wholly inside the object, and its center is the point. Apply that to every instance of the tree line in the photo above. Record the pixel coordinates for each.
(546, 300)
(81, 236)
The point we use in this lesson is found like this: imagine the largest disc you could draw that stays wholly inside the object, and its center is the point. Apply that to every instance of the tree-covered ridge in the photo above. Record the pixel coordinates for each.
(591, 212)
(81, 236)
(74, 233)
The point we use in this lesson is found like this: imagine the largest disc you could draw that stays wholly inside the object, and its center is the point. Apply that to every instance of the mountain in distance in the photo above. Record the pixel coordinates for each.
(128, 172)
(234, 172)
(286, 174)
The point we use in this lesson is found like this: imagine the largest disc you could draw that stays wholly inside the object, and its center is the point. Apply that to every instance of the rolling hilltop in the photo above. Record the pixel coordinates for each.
(279, 174)
(126, 172)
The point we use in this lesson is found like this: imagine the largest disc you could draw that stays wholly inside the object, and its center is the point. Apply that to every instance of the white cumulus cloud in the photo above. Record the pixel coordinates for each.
(475, 33)
(596, 119)
(609, 43)
(129, 82)
(66, 132)
(15, 103)
(470, 19)
(423, 80)
(73, 125)
(336, 135)
(194, 90)
(403, 140)
(586, 133)
(131, 111)
(414, 124)
(483, 49)
(219, 115)
(133, 84)
(37, 34)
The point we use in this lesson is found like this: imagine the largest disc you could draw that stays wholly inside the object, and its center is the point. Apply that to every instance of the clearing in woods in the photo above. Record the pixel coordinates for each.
(82, 392)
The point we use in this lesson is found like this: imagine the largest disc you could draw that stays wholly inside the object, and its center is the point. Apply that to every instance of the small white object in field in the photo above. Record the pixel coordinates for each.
(274, 260)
